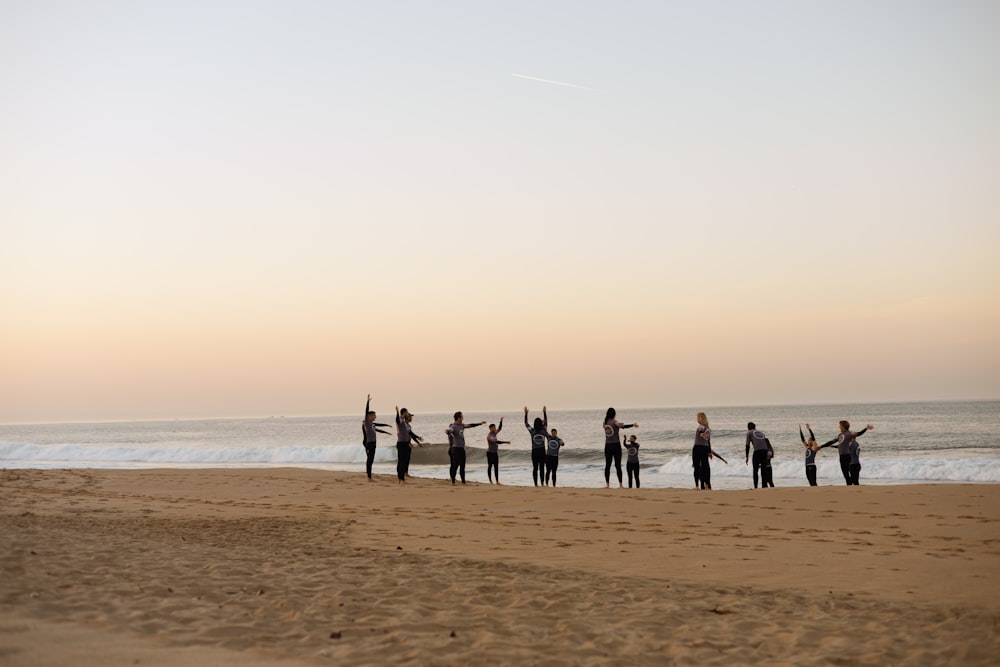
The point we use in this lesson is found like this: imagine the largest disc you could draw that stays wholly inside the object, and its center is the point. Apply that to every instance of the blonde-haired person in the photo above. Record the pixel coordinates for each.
(702, 453)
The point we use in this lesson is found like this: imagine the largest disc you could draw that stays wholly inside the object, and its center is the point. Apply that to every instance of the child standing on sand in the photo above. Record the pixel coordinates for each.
(493, 451)
(552, 456)
(767, 473)
(632, 464)
(855, 449)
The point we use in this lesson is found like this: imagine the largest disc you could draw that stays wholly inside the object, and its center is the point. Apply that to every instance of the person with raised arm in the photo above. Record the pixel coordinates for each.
(369, 427)
(843, 442)
(493, 451)
(405, 437)
(613, 446)
(456, 433)
(811, 448)
(539, 432)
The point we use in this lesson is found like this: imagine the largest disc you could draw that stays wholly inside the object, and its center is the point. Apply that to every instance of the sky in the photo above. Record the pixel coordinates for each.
(237, 209)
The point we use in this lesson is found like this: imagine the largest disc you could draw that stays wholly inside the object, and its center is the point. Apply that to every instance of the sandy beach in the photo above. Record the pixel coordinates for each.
(296, 566)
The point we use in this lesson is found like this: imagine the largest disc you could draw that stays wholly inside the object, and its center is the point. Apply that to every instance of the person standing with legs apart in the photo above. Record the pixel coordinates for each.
(552, 456)
(613, 446)
(404, 439)
(456, 433)
(843, 442)
(369, 427)
(760, 444)
(493, 451)
(702, 452)
(539, 432)
(632, 464)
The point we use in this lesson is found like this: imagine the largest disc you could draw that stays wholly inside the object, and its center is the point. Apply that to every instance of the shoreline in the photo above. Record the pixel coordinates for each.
(267, 564)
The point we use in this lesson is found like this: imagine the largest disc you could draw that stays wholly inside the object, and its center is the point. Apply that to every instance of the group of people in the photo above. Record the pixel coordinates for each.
(546, 443)
(847, 447)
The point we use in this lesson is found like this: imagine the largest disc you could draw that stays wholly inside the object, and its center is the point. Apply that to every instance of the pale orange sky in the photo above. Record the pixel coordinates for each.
(234, 211)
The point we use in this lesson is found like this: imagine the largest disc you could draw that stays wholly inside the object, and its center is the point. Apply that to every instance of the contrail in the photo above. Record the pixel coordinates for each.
(558, 83)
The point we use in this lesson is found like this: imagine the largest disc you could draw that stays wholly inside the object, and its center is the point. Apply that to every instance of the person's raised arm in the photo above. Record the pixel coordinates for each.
(526, 425)
(500, 425)
(802, 436)
(545, 417)
(368, 406)
(397, 416)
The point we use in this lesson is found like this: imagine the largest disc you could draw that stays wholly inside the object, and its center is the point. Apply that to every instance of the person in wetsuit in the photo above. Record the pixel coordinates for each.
(613, 446)
(701, 453)
(405, 437)
(539, 432)
(369, 427)
(493, 450)
(843, 442)
(811, 448)
(632, 464)
(855, 467)
(552, 456)
(456, 434)
(766, 471)
(760, 445)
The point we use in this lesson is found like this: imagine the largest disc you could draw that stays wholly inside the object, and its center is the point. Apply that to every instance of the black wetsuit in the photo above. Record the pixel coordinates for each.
(404, 436)
(700, 457)
(552, 458)
(539, 438)
(766, 471)
(612, 449)
(810, 457)
(457, 436)
(493, 453)
(632, 464)
(368, 431)
(843, 442)
(855, 467)
(759, 442)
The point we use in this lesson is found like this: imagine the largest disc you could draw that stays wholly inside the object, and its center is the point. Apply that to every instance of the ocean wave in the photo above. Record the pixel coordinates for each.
(894, 469)
(98, 455)
(915, 468)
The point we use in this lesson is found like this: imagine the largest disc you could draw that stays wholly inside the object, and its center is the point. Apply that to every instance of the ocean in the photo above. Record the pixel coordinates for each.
(926, 442)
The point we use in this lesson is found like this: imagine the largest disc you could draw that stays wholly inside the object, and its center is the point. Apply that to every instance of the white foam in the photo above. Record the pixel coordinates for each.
(888, 469)
(14, 454)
